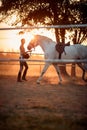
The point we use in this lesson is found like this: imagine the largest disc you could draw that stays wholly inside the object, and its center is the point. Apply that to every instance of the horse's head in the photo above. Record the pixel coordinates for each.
(33, 43)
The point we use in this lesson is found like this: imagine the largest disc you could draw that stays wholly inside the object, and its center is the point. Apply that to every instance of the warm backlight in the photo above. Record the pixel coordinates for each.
(10, 39)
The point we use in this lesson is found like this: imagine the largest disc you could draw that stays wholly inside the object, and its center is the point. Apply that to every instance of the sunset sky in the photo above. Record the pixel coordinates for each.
(10, 39)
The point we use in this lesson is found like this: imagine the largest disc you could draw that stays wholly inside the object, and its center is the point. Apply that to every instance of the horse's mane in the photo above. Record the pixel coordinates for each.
(48, 40)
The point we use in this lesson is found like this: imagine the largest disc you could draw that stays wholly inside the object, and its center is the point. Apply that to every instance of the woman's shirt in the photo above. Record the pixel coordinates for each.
(22, 51)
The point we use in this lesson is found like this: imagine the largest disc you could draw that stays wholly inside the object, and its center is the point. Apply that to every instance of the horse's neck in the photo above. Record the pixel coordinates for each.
(43, 45)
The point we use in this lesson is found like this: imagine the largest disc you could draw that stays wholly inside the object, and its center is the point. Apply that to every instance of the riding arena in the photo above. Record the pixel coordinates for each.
(48, 100)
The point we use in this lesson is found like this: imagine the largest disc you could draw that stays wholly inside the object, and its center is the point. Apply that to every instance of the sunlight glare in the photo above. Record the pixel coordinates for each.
(0, 3)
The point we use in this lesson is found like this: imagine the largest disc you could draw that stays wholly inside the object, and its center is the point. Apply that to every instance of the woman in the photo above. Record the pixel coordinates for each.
(22, 63)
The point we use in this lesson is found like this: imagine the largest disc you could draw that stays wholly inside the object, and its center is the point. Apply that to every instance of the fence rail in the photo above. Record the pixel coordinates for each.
(52, 26)
(50, 60)
(64, 61)
(7, 52)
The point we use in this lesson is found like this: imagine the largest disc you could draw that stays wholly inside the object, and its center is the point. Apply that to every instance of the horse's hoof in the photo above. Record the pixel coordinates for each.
(85, 80)
(38, 82)
(60, 83)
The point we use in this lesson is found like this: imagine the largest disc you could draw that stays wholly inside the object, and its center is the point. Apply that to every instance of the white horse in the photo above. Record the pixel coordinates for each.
(48, 46)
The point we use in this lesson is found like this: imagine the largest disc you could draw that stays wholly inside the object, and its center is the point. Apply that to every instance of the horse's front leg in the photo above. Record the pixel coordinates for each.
(58, 72)
(43, 71)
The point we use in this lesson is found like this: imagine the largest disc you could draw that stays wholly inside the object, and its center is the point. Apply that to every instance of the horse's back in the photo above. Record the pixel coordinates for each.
(70, 52)
(82, 51)
(75, 51)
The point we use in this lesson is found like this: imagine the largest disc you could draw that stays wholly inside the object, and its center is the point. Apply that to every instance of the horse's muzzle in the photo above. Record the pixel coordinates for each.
(29, 48)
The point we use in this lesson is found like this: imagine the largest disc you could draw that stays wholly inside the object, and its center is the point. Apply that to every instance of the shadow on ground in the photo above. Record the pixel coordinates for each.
(44, 106)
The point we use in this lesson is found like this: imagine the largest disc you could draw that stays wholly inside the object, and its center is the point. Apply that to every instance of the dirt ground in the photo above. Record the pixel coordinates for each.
(44, 106)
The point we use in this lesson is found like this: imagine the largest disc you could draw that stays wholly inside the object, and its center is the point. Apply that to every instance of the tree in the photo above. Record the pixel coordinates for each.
(80, 34)
(48, 12)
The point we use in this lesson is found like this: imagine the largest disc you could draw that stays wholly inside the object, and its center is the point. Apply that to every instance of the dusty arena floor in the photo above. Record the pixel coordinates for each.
(45, 106)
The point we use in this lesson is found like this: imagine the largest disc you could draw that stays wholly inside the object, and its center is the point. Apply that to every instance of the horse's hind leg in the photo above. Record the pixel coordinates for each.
(43, 71)
(83, 75)
(83, 69)
(58, 72)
